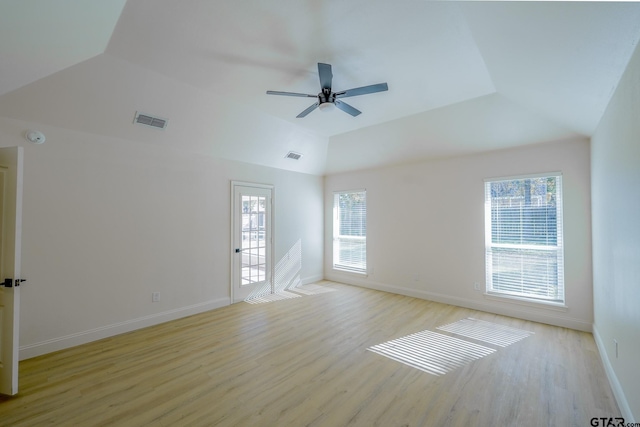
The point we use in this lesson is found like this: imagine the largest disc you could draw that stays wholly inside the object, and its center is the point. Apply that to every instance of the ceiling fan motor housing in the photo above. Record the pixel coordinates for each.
(326, 96)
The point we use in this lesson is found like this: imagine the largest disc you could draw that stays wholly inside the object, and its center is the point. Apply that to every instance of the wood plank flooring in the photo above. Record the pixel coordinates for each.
(304, 362)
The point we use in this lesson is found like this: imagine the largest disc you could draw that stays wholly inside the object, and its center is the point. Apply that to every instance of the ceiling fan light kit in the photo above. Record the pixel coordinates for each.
(327, 99)
(326, 107)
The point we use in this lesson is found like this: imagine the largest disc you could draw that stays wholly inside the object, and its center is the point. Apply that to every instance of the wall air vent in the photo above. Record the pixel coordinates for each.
(293, 155)
(146, 119)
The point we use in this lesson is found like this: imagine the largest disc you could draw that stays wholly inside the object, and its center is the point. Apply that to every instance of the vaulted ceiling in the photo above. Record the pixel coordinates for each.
(463, 77)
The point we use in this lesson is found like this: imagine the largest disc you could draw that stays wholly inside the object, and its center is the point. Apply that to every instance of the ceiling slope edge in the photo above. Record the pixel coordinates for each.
(486, 123)
(43, 37)
(101, 96)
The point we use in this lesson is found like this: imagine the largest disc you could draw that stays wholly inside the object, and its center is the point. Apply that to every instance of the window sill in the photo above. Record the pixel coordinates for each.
(358, 273)
(530, 302)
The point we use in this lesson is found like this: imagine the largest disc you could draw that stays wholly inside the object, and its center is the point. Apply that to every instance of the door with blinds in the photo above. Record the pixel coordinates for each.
(251, 237)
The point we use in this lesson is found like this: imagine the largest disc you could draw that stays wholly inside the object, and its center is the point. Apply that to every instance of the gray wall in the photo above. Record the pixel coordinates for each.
(615, 161)
(106, 222)
(425, 228)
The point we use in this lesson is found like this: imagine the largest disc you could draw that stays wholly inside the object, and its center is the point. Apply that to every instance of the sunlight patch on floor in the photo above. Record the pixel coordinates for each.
(488, 332)
(312, 289)
(272, 297)
(431, 352)
(294, 292)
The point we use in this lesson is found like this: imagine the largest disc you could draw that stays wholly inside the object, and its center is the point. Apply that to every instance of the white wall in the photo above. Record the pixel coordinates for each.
(106, 222)
(425, 228)
(616, 239)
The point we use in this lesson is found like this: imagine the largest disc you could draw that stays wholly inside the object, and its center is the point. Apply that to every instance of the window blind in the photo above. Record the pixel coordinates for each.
(524, 243)
(350, 231)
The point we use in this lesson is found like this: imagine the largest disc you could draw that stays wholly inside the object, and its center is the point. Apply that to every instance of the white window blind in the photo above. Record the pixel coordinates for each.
(524, 243)
(350, 231)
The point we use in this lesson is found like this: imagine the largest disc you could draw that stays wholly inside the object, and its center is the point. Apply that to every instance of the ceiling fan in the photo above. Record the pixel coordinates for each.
(327, 98)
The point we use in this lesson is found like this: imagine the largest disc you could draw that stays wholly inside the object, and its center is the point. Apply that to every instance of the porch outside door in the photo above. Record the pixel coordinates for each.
(10, 247)
(251, 238)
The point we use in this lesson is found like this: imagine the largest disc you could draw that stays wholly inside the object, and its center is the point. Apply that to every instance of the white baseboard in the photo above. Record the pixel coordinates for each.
(312, 279)
(72, 340)
(621, 399)
(60, 343)
(518, 311)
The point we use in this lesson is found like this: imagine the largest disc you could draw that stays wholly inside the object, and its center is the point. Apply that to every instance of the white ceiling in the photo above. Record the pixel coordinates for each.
(463, 76)
(41, 37)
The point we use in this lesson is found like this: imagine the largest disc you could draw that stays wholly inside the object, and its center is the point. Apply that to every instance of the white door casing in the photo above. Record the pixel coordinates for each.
(251, 239)
(11, 160)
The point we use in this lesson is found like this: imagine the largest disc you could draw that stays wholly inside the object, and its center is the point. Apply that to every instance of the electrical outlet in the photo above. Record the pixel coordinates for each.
(155, 296)
(476, 286)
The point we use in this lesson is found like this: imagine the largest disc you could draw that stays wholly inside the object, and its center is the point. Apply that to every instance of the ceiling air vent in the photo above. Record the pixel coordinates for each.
(293, 155)
(154, 122)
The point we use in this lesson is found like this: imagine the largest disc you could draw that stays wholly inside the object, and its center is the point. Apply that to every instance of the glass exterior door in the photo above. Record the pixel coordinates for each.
(251, 239)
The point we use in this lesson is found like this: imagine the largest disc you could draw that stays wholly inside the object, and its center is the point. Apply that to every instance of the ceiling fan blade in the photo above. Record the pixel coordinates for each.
(308, 110)
(347, 108)
(326, 76)
(380, 87)
(303, 95)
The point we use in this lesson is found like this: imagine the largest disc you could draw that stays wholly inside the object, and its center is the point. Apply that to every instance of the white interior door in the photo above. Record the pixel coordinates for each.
(251, 237)
(10, 241)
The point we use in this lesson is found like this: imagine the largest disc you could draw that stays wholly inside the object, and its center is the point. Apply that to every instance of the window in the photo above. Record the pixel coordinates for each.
(350, 231)
(523, 237)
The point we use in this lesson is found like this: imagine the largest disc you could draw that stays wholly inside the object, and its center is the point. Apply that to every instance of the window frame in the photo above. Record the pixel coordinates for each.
(560, 292)
(338, 264)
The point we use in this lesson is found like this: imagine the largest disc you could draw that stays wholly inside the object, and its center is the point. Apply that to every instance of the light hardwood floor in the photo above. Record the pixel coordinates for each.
(304, 362)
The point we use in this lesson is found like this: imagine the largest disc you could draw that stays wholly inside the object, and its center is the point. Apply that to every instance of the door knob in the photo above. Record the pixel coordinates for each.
(9, 283)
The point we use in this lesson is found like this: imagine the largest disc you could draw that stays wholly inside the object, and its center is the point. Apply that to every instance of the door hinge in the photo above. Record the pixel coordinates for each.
(10, 283)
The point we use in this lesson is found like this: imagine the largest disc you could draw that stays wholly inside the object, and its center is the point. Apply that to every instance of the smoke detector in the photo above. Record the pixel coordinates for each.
(35, 137)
